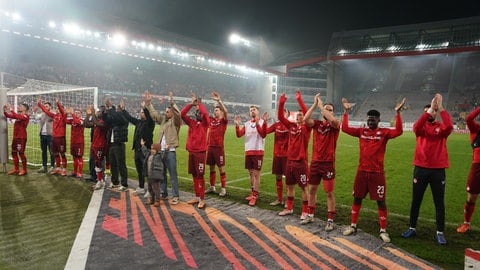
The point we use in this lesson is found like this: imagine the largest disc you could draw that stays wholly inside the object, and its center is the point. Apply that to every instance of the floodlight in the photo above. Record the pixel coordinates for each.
(52, 24)
(173, 51)
(234, 38)
(16, 16)
(151, 46)
(159, 48)
(119, 39)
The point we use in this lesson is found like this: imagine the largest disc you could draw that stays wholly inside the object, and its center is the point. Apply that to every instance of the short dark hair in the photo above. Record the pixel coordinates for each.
(373, 113)
(49, 104)
(428, 106)
(26, 106)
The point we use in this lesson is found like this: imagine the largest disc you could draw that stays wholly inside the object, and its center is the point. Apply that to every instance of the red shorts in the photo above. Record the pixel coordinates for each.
(76, 149)
(18, 145)
(98, 153)
(253, 162)
(216, 156)
(473, 182)
(321, 170)
(279, 165)
(196, 163)
(296, 173)
(59, 145)
(370, 182)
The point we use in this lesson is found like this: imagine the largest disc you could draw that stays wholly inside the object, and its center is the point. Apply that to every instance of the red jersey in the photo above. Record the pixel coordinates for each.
(325, 138)
(197, 130)
(216, 134)
(59, 120)
(77, 131)
(99, 134)
(431, 149)
(21, 123)
(474, 128)
(280, 139)
(373, 143)
(298, 137)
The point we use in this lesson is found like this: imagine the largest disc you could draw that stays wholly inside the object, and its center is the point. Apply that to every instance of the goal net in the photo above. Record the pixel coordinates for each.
(74, 96)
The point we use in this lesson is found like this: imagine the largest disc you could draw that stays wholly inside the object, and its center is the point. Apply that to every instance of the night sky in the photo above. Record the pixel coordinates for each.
(286, 26)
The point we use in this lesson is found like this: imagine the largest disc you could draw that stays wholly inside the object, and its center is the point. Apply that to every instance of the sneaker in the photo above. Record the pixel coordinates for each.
(409, 233)
(201, 204)
(441, 238)
(223, 192)
(465, 227)
(13, 171)
(99, 185)
(63, 172)
(55, 171)
(72, 174)
(286, 212)
(22, 172)
(164, 197)
(385, 237)
(303, 216)
(329, 227)
(210, 190)
(174, 200)
(150, 201)
(352, 230)
(138, 191)
(107, 171)
(193, 201)
(42, 170)
(276, 202)
(157, 204)
(78, 175)
(249, 197)
(308, 219)
(122, 188)
(147, 195)
(253, 201)
(112, 185)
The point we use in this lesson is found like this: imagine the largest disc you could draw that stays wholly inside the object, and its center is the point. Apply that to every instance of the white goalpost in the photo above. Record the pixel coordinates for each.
(74, 96)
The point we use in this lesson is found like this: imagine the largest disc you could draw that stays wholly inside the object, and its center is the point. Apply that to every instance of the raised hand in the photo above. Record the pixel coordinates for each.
(399, 106)
(215, 96)
(237, 120)
(346, 105)
(265, 116)
(147, 97)
(121, 104)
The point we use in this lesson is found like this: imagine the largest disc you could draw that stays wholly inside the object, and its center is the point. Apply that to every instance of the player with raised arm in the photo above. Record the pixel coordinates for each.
(197, 147)
(77, 140)
(19, 140)
(473, 181)
(280, 148)
(322, 165)
(297, 159)
(59, 143)
(370, 177)
(99, 142)
(216, 149)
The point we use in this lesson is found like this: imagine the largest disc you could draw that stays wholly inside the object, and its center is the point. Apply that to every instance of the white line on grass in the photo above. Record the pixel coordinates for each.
(79, 252)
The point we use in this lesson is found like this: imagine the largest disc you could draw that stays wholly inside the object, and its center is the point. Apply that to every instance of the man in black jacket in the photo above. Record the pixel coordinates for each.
(144, 127)
(117, 136)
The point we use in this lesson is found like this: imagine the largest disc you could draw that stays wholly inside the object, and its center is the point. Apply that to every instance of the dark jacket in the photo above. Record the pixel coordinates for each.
(118, 125)
(157, 167)
(143, 129)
